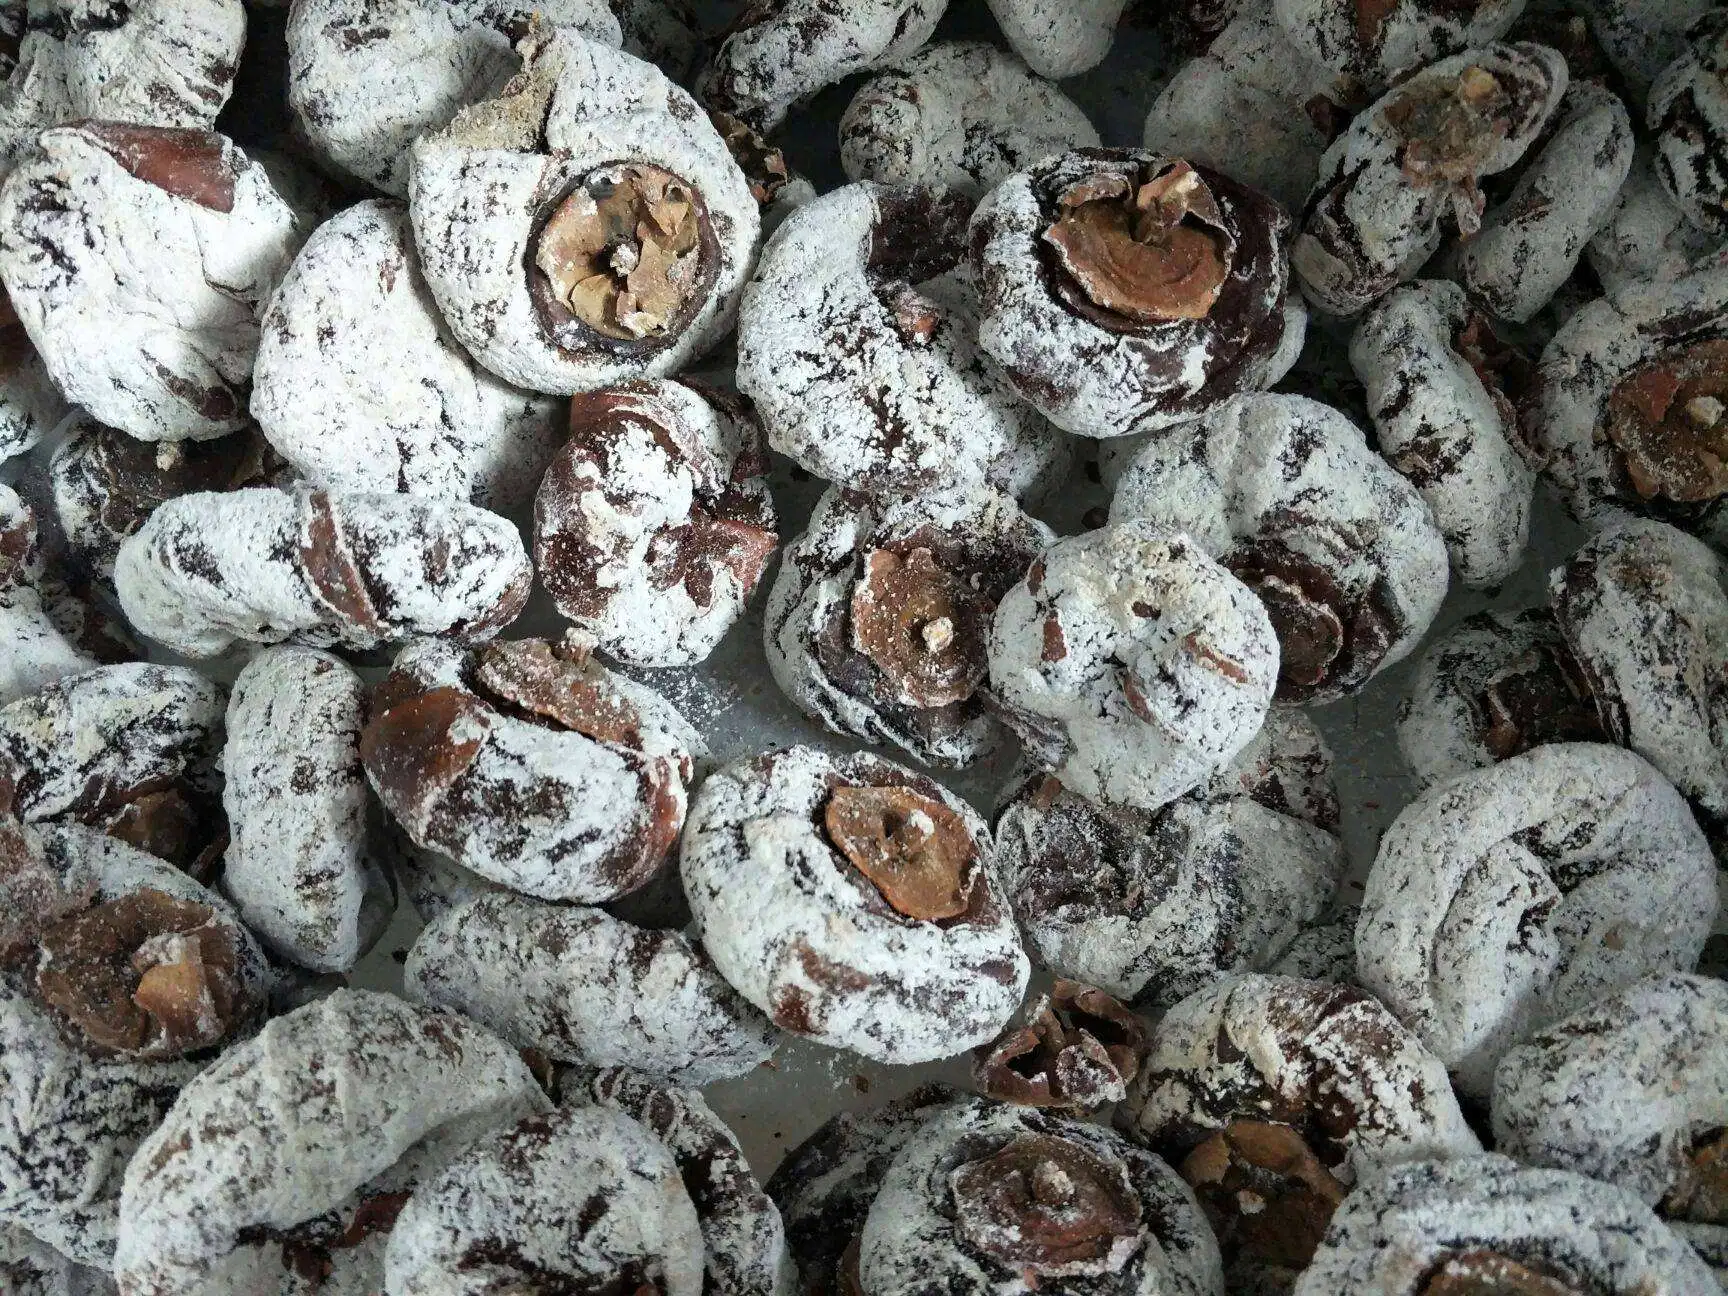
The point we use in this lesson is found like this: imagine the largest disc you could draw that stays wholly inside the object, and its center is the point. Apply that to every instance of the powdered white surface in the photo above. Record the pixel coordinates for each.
(1406, 33)
(1646, 236)
(1059, 40)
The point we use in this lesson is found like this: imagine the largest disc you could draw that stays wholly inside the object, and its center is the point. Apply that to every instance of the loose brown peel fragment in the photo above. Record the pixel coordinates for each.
(913, 849)
(1150, 253)
(623, 253)
(1669, 420)
(1080, 1049)
(763, 165)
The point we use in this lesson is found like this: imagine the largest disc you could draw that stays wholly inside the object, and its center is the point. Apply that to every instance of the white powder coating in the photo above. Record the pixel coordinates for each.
(787, 50)
(1529, 244)
(433, 882)
(584, 987)
(810, 636)
(1564, 413)
(91, 739)
(481, 187)
(1153, 907)
(1620, 1090)
(961, 114)
(1257, 1048)
(1510, 896)
(1059, 40)
(143, 304)
(1131, 664)
(1287, 767)
(1443, 723)
(153, 62)
(742, 1232)
(645, 465)
(1292, 476)
(912, 1241)
(1393, 1232)
(366, 78)
(1645, 610)
(1242, 108)
(265, 565)
(32, 1268)
(539, 808)
(1643, 37)
(1405, 34)
(1099, 382)
(666, 33)
(298, 865)
(69, 1120)
(1446, 430)
(583, 1197)
(1323, 952)
(294, 1121)
(35, 652)
(843, 385)
(1645, 237)
(1369, 226)
(801, 934)
(361, 387)
(30, 404)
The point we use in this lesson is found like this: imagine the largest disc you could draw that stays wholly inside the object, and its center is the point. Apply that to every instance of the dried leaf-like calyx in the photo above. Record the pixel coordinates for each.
(1490, 1273)
(146, 975)
(1669, 419)
(1450, 128)
(922, 625)
(554, 683)
(1543, 697)
(624, 252)
(1701, 1194)
(1080, 1049)
(1048, 1207)
(1266, 1193)
(913, 849)
(1139, 254)
(763, 165)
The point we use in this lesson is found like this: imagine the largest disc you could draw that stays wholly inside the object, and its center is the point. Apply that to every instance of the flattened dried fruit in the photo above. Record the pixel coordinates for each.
(1059, 40)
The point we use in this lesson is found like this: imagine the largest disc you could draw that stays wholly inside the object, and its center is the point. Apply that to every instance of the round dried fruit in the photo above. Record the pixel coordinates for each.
(964, 115)
(266, 565)
(855, 902)
(616, 233)
(1510, 896)
(1488, 1224)
(139, 259)
(1273, 1098)
(360, 386)
(1287, 495)
(1059, 40)
(1132, 665)
(779, 52)
(296, 1149)
(1413, 158)
(1688, 112)
(585, 988)
(653, 524)
(1435, 376)
(365, 80)
(857, 341)
(1152, 906)
(1123, 291)
(531, 765)
(987, 1195)
(1492, 687)
(1375, 41)
(300, 866)
(877, 621)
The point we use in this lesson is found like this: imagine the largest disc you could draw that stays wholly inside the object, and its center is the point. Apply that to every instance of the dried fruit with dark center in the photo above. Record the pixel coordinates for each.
(1080, 1049)
(1266, 1193)
(1666, 417)
(1701, 1195)
(1138, 254)
(1543, 697)
(922, 625)
(624, 253)
(763, 165)
(913, 849)
(147, 975)
(1049, 1207)
(1450, 127)
(1491, 1273)
(533, 677)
